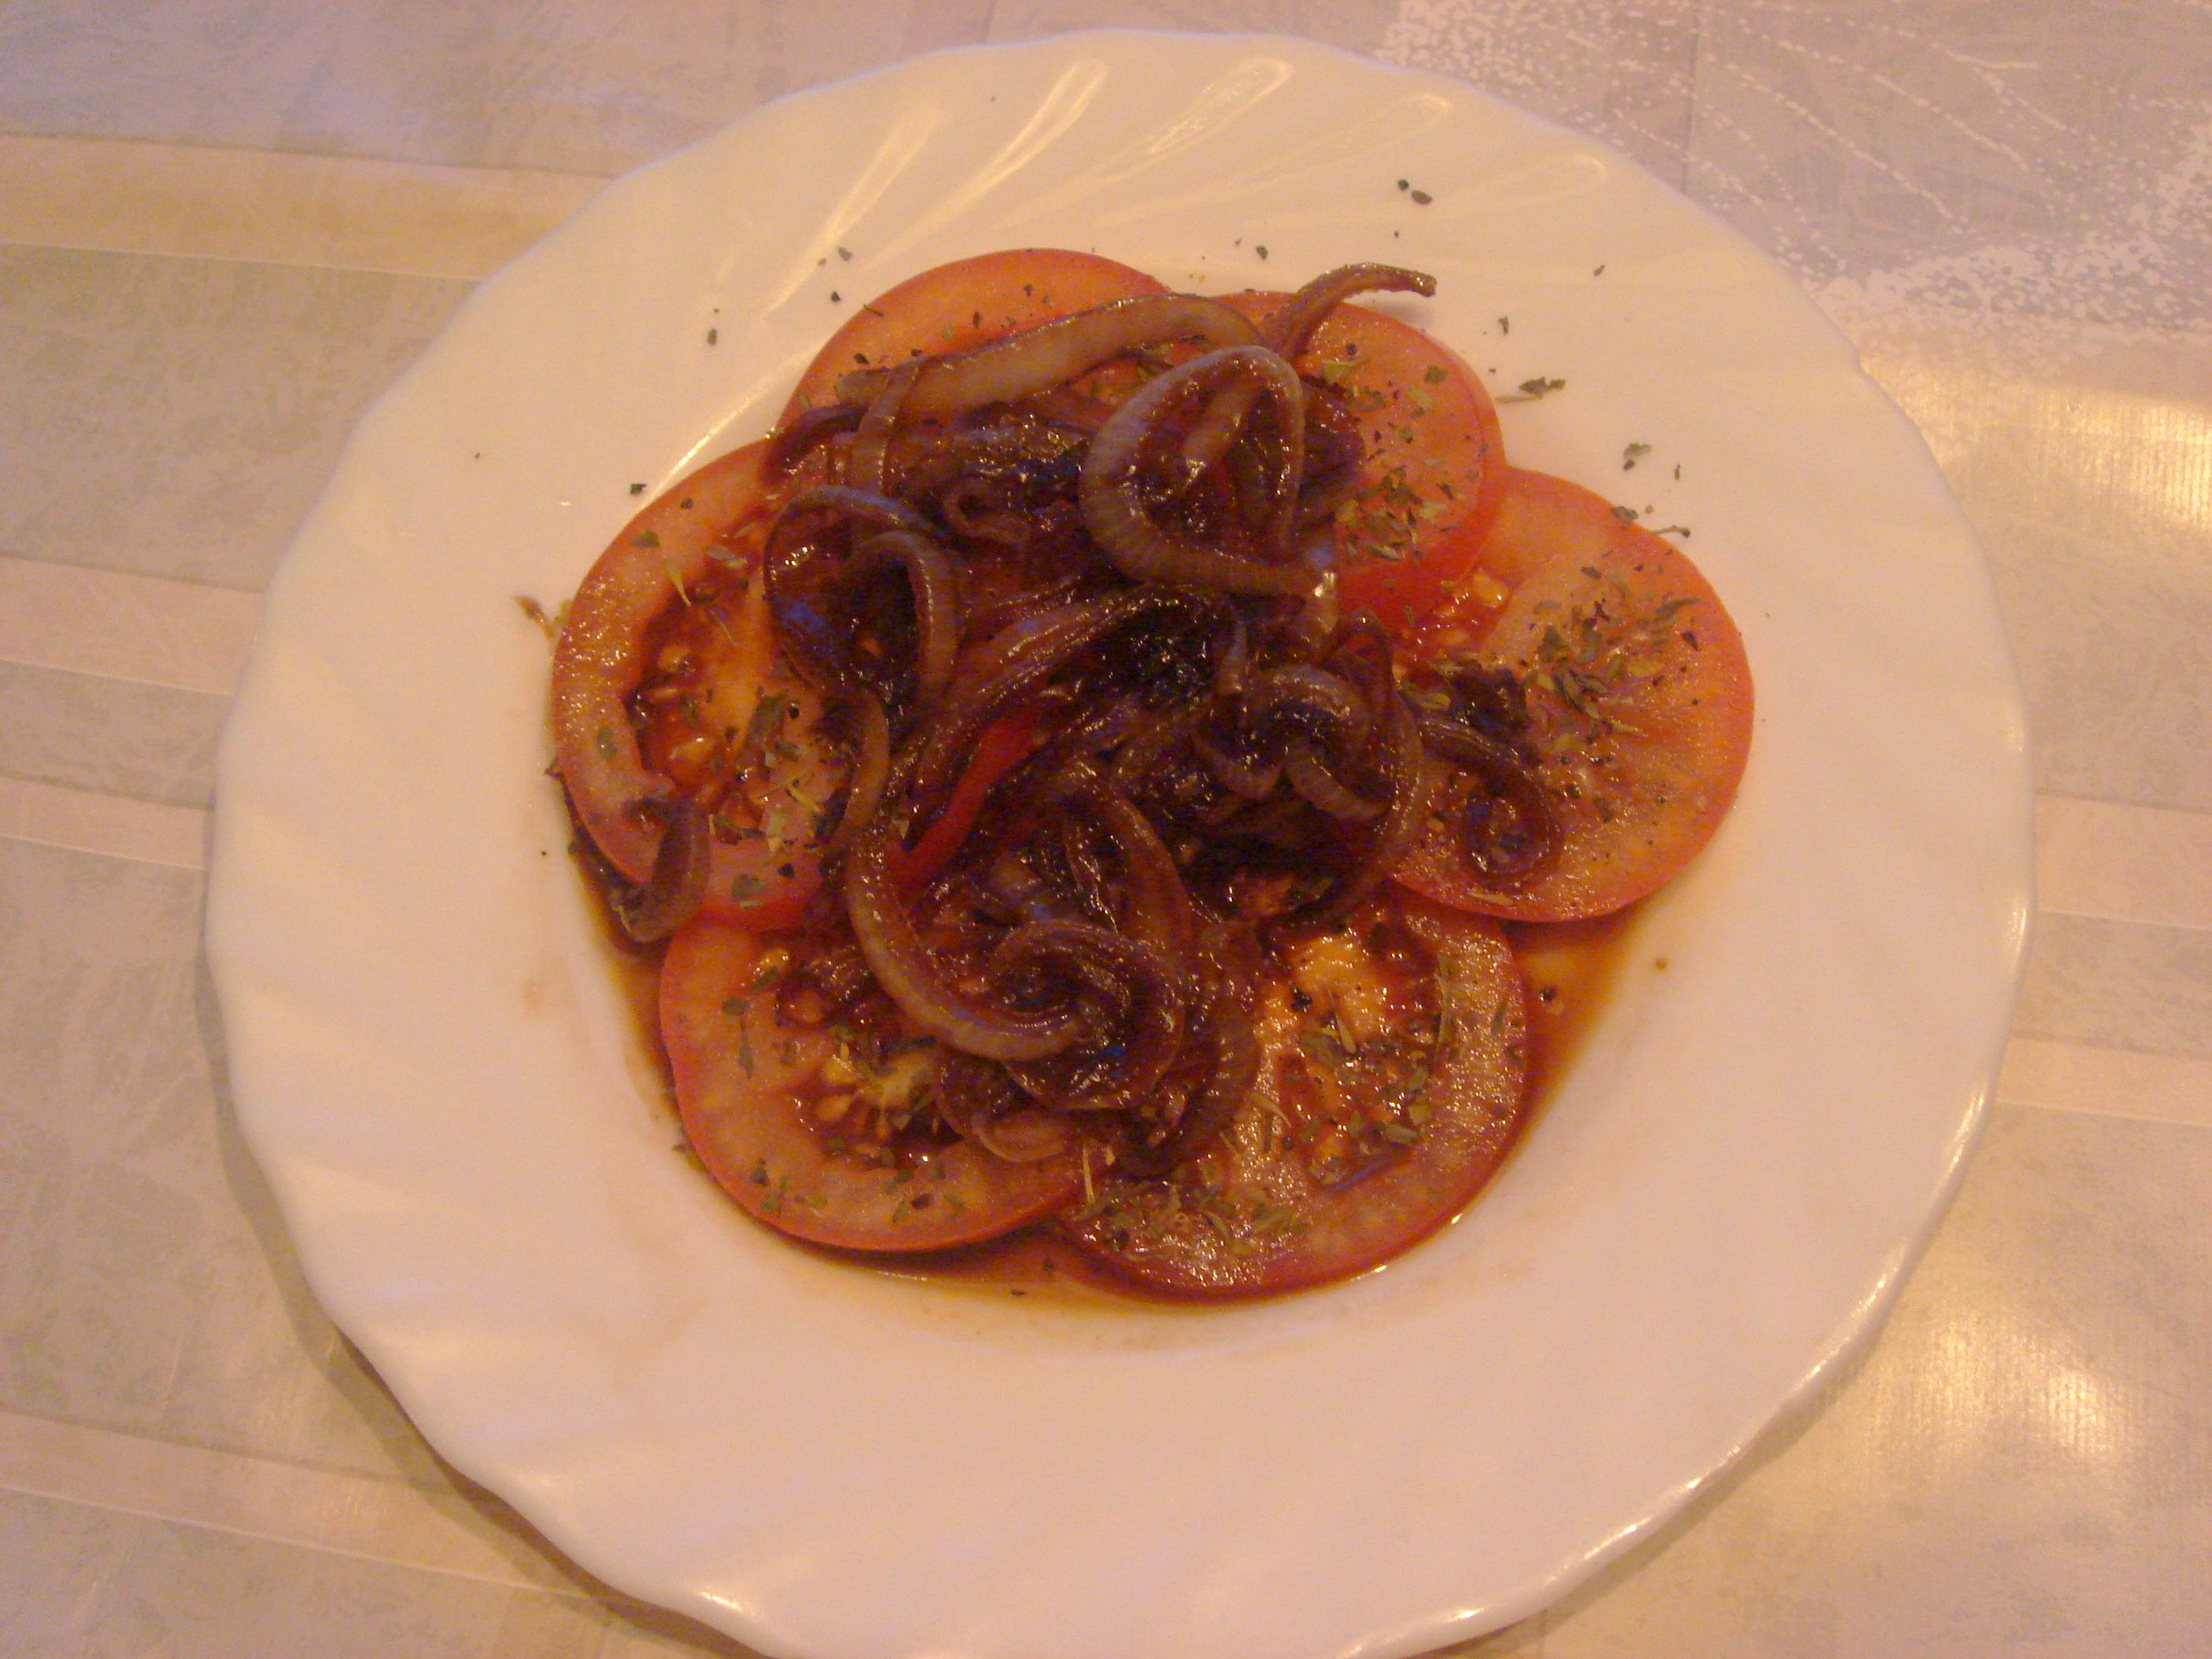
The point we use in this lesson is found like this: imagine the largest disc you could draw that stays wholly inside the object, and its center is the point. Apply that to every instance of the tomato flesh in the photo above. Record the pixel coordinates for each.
(700, 538)
(807, 1146)
(667, 680)
(1432, 470)
(1638, 693)
(1391, 1084)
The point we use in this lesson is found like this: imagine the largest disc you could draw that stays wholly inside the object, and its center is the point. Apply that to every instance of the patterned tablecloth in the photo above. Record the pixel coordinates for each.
(226, 225)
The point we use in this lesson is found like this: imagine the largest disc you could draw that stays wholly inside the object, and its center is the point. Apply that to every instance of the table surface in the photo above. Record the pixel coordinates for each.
(227, 225)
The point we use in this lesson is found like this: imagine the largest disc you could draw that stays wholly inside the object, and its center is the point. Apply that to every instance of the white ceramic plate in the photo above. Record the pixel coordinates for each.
(447, 1095)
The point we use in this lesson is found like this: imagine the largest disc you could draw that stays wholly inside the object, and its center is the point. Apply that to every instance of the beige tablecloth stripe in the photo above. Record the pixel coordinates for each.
(146, 629)
(2075, 1076)
(356, 1515)
(82, 821)
(184, 201)
(2122, 863)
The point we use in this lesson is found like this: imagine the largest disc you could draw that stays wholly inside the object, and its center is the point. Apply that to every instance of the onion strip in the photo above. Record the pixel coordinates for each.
(1116, 515)
(1008, 369)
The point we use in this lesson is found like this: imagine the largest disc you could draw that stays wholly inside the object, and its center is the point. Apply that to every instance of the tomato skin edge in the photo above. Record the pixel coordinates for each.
(1480, 1113)
(740, 1106)
(1556, 540)
(598, 659)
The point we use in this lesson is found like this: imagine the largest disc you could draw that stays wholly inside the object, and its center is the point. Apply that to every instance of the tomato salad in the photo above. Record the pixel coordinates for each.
(1087, 769)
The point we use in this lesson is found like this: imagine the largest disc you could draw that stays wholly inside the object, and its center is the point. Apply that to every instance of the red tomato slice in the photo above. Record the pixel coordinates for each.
(962, 304)
(674, 620)
(1391, 1084)
(791, 1147)
(1638, 694)
(700, 538)
(1434, 471)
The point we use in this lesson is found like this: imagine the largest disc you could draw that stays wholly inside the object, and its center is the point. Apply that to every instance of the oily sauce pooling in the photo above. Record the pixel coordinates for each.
(1086, 778)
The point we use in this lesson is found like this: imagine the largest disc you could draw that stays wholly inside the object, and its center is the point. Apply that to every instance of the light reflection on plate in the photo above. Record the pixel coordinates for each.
(442, 1083)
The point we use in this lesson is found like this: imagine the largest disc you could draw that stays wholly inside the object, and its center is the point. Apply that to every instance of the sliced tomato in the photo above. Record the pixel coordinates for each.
(779, 1132)
(673, 621)
(953, 307)
(697, 543)
(1433, 470)
(1638, 695)
(1391, 1084)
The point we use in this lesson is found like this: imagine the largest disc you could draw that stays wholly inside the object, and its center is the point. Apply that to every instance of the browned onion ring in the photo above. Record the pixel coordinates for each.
(1321, 788)
(793, 442)
(1222, 1030)
(1292, 323)
(975, 509)
(871, 766)
(1285, 332)
(1307, 699)
(1132, 986)
(1254, 779)
(864, 461)
(930, 573)
(1158, 908)
(1116, 515)
(1410, 781)
(1508, 830)
(1011, 665)
(925, 458)
(791, 557)
(1153, 740)
(996, 616)
(982, 1104)
(912, 977)
(672, 895)
(1006, 370)
(1215, 432)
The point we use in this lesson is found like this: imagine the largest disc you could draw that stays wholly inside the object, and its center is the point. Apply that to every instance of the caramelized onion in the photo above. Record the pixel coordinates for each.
(1116, 514)
(803, 432)
(1285, 333)
(871, 765)
(930, 573)
(1410, 782)
(864, 461)
(977, 509)
(1321, 789)
(1006, 370)
(1202, 735)
(1230, 1055)
(1507, 829)
(1130, 992)
(1157, 907)
(1307, 699)
(982, 1104)
(1292, 323)
(794, 568)
(1014, 663)
(672, 895)
(1016, 445)
(913, 979)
